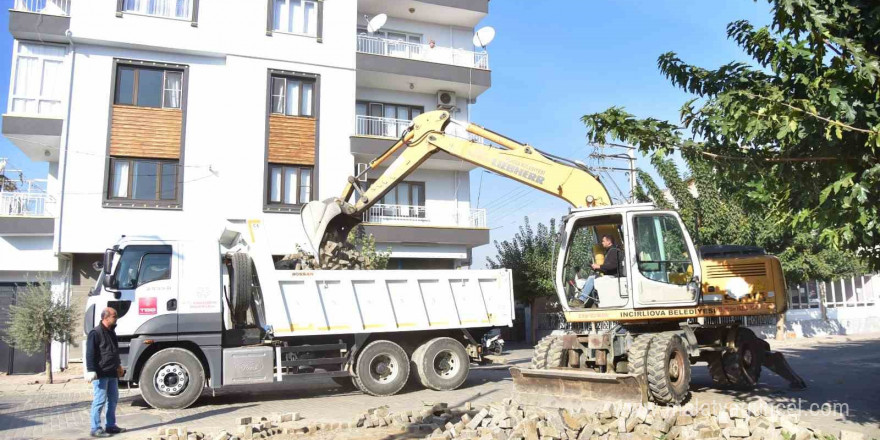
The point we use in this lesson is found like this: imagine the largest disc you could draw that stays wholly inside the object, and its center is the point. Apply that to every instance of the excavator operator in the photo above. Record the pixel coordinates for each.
(608, 267)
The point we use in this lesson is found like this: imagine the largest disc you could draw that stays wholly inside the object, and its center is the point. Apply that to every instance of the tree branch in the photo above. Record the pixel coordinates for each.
(807, 112)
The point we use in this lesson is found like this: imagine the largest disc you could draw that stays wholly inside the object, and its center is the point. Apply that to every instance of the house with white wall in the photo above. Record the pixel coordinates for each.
(166, 117)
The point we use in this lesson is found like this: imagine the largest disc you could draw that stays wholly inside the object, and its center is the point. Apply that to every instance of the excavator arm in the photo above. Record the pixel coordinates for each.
(425, 137)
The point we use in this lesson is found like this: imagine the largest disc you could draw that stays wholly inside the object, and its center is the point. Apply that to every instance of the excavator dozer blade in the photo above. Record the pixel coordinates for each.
(327, 219)
(574, 388)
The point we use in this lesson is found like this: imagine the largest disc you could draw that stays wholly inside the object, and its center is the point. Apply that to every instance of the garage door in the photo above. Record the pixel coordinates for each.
(14, 361)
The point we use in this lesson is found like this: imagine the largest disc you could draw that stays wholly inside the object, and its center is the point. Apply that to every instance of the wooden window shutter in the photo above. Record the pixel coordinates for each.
(146, 132)
(291, 140)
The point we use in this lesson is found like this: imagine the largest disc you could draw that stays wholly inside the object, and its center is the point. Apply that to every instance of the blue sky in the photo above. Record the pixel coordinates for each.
(553, 62)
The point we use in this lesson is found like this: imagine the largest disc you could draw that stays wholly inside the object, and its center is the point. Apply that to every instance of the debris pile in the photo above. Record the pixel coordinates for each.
(334, 255)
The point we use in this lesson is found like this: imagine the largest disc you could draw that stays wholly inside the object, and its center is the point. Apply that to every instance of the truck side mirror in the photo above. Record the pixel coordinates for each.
(108, 278)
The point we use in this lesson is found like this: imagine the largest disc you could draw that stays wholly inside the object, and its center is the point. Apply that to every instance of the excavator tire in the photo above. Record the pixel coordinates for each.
(548, 353)
(742, 365)
(669, 369)
(637, 356)
(242, 287)
(716, 369)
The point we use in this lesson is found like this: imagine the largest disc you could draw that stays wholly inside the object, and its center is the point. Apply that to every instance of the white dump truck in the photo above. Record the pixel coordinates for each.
(217, 313)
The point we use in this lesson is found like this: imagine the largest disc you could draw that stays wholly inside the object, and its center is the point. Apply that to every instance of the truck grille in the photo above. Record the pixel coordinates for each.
(737, 270)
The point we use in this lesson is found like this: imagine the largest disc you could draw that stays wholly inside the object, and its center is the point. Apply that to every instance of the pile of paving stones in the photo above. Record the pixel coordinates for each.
(334, 255)
(507, 420)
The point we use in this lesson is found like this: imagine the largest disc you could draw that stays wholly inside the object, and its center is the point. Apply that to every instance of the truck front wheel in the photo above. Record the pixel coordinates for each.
(172, 378)
(441, 364)
(382, 368)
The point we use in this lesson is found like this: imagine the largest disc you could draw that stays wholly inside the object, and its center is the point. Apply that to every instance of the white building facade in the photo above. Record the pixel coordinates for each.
(166, 117)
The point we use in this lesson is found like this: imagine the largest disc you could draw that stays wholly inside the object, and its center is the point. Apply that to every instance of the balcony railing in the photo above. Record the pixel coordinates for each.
(422, 52)
(48, 7)
(393, 128)
(28, 199)
(420, 215)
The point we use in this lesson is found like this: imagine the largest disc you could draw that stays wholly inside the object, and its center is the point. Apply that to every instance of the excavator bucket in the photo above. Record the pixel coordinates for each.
(327, 220)
(575, 389)
(775, 362)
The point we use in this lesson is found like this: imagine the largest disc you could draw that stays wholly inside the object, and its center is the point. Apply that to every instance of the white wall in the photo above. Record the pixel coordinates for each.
(30, 254)
(223, 156)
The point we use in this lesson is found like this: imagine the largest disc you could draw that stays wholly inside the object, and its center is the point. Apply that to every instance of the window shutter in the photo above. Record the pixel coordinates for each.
(270, 17)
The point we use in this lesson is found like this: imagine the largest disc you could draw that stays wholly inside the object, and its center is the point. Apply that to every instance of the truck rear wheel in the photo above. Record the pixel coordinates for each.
(742, 365)
(382, 368)
(669, 369)
(441, 364)
(173, 378)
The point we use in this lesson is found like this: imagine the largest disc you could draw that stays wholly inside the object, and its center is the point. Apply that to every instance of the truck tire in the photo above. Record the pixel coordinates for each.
(345, 382)
(173, 378)
(742, 365)
(242, 285)
(441, 364)
(382, 368)
(637, 356)
(669, 369)
(548, 353)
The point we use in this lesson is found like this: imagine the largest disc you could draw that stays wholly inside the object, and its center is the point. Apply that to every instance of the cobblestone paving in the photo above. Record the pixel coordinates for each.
(839, 371)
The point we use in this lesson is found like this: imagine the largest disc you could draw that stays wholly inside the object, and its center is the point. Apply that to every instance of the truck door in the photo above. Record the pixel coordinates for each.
(665, 270)
(146, 301)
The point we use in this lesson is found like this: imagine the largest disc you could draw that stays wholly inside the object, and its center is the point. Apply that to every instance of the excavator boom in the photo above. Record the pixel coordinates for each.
(426, 136)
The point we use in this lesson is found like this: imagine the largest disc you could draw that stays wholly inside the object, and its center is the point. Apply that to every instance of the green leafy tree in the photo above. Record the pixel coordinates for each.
(799, 125)
(530, 257)
(366, 245)
(37, 319)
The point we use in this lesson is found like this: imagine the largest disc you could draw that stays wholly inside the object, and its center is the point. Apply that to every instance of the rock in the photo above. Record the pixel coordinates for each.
(549, 431)
(724, 420)
(684, 420)
(737, 412)
(851, 435)
(475, 422)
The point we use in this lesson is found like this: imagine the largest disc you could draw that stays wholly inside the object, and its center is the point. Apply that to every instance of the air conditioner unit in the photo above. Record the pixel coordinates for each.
(445, 99)
(362, 176)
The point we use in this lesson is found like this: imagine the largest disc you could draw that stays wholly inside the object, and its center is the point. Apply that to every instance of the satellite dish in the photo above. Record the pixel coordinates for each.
(484, 36)
(376, 23)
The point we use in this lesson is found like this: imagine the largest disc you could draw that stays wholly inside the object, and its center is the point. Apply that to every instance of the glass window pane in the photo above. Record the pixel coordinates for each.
(49, 86)
(25, 83)
(292, 101)
(305, 185)
(169, 181)
(418, 196)
(360, 109)
(144, 180)
(119, 179)
(290, 185)
(154, 267)
(403, 193)
(173, 88)
(403, 112)
(296, 17)
(275, 184)
(307, 89)
(149, 90)
(278, 95)
(125, 86)
(661, 249)
(416, 112)
(280, 15)
(127, 270)
(310, 19)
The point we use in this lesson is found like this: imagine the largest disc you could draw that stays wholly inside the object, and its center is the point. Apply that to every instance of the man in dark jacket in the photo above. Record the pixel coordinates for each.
(611, 267)
(103, 369)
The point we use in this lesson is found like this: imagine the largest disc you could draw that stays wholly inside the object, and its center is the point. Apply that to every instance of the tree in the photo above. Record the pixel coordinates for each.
(719, 216)
(530, 257)
(800, 126)
(366, 244)
(37, 319)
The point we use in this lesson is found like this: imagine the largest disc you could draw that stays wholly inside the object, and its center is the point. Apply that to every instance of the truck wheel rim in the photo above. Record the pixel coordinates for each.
(171, 379)
(447, 364)
(383, 369)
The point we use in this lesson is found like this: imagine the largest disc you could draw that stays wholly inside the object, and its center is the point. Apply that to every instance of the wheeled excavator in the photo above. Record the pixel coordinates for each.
(667, 307)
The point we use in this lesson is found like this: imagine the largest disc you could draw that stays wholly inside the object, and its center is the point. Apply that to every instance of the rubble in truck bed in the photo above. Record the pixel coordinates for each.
(334, 255)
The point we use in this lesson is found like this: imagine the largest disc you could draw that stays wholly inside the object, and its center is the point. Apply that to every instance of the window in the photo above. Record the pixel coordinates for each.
(143, 87)
(406, 199)
(290, 184)
(140, 265)
(143, 179)
(38, 79)
(381, 119)
(181, 9)
(296, 17)
(293, 96)
(661, 249)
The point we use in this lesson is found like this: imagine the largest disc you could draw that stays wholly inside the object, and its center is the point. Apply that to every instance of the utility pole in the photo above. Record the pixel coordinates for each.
(629, 156)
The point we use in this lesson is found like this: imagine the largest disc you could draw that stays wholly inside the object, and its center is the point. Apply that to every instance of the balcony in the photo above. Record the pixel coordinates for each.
(422, 52)
(462, 13)
(420, 225)
(27, 212)
(392, 128)
(415, 67)
(40, 20)
(422, 216)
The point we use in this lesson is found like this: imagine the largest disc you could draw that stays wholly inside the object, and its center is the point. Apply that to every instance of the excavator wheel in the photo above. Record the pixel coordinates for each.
(716, 369)
(669, 369)
(637, 356)
(742, 365)
(549, 353)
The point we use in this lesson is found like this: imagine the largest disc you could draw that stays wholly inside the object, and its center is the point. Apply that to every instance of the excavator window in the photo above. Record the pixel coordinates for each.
(661, 250)
(585, 249)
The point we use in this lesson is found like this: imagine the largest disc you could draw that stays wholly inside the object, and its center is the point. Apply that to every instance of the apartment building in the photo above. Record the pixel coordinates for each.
(166, 117)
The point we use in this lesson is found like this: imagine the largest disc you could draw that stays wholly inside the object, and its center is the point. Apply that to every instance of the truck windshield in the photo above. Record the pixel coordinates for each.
(139, 265)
